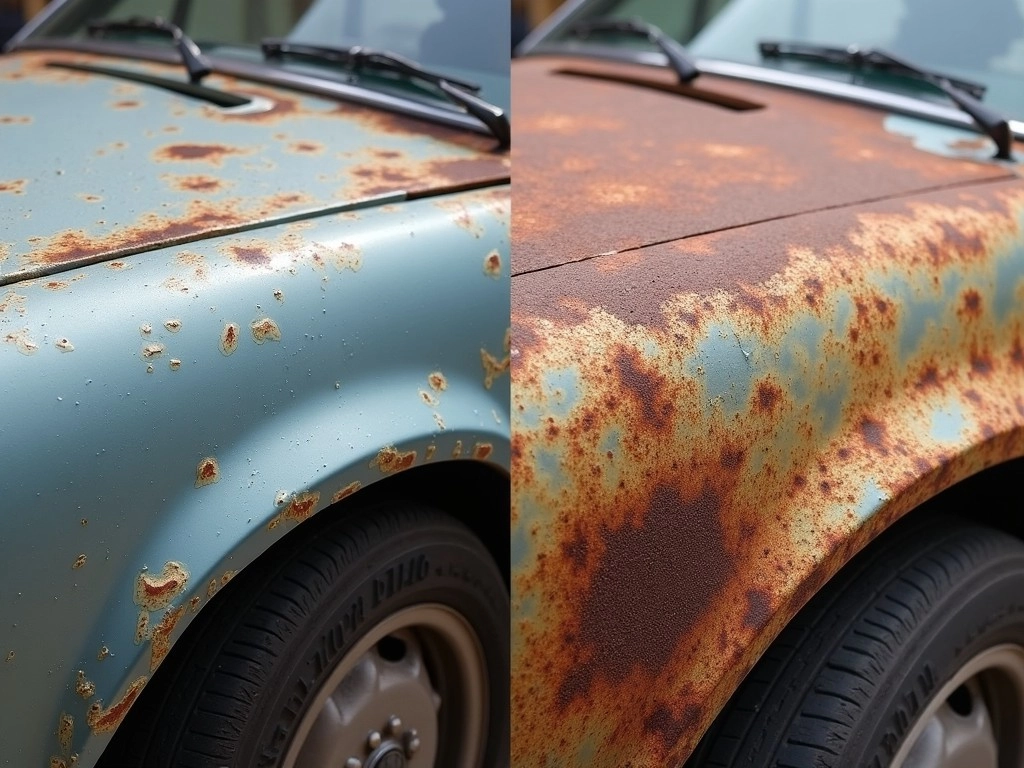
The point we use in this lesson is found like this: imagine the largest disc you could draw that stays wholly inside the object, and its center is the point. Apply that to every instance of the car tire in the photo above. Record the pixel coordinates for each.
(375, 641)
(912, 656)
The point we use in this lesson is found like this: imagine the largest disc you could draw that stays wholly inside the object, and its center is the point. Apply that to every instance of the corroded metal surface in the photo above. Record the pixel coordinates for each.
(145, 166)
(163, 482)
(606, 166)
(706, 429)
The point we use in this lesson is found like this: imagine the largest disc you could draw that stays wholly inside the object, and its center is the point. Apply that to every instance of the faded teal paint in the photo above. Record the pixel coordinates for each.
(562, 391)
(722, 364)
(308, 412)
(520, 548)
(948, 424)
(1009, 278)
(921, 309)
(944, 140)
(873, 498)
(829, 399)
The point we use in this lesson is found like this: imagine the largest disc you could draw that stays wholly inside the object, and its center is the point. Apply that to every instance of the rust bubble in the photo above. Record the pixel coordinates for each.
(345, 492)
(265, 330)
(84, 687)
(154, 592)
(390, 460)
(207, 472)
(299, 508)
(106, 720)
(437, 381)
(79, 562)
(429, 453)
(229, 339)
(279, 294)
(198, 183)
(160, 641)
(492, 265)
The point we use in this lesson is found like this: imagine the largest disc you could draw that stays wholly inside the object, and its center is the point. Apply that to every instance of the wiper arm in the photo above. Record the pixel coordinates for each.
(195, 62)
(678, 58)
(964, 93)
(356, 57)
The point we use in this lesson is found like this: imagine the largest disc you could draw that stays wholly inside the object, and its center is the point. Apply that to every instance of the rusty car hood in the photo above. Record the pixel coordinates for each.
(95, 167)
(613, 165)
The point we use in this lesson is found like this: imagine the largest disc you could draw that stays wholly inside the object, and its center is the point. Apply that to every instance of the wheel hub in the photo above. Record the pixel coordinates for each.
(391, 749)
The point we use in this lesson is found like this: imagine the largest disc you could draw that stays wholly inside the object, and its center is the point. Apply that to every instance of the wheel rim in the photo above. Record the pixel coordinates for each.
(976, 719)
(411, 692)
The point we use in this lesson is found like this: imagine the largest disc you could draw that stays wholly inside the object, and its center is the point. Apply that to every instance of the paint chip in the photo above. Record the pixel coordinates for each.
(154, 592)
(229, 338)
(265, 330)
(207, 472)
(79, 562)
(390, 460)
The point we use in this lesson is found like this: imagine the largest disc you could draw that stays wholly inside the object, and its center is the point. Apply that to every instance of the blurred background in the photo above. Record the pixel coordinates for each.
(14, 13)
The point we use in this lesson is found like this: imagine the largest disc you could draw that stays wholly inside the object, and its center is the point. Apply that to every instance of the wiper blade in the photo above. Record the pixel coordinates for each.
(356, 57)
(678, 57)
(195, 62)
(965, 94)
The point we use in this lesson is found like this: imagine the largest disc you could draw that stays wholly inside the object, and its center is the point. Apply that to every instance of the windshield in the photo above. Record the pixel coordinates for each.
(981, 40)
(467, 39)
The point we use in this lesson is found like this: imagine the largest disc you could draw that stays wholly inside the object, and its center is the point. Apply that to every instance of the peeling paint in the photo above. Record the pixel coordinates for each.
(103, 653)
(173, 325)
(390, 460)
(174, 364)
(265, 330)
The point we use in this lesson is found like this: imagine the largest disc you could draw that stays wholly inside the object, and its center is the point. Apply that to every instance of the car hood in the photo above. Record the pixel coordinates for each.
(613, 157)
(96, 167)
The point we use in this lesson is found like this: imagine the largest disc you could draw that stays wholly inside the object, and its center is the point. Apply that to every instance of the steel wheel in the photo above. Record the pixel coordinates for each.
(976, 720)
(417, 677)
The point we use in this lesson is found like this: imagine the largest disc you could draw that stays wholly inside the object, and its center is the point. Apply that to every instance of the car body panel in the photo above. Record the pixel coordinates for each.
(308, 359)
(824, 330)
(146, 166)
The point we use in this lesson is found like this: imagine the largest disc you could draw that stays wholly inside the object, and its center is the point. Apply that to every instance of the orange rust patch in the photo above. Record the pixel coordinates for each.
(493, 367)
(84, 687)
(437, 381)
(22, 341)
(15, 120)
(194, 603)
(195, 183)
(126, 104)
(390, 460)
(106, 720)
(65, 731)
(16, 187)
(79, 562)
(56, 285)
(265, 330)
(160, 643)
(482, 450)
(226, 577)
(345, 492)
(117, 265)
(57, 762)
(492, 265)
(214, 154)
(229, 339)
(207, 472)
(301, 506)
(154, 592)
(142, 627)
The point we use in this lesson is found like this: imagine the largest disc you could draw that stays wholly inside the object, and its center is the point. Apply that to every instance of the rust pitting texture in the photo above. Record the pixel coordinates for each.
(84, 687)
(299, 508)
(390, 460)
(346, 491)
(156, 591)
(207, 472)
(693, 458)
(106, 719)
(603, 167)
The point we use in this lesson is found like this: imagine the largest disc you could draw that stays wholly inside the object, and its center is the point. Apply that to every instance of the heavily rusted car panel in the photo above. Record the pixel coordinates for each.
(283, 156)
(213, 326)
(754, 340)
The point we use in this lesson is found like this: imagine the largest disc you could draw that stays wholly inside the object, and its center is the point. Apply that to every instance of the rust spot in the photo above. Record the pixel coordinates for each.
(437, 381)
(154, 592)
(457, 450)
(229, 339)
(193, 604)
(390, 460)
(214, 154)
(16, 187)
(57, 762)
(126, 104)
(160, 642)
(439, 421)
(117, 266)
(90, 198)
(482, 450)
(145, 329)
(79, 562)
(429, 453)
(103, 653)
(429, 399)
(873, 433)
(211, 589)
(279, 294)
(106, 720)
(56, 285)
(301, 506)
(253, 255)
(65, 731)
(493, 367)
(15, 120)
(226, 577)
(84, 687)
(981, 363)
(345, 492)
(142, 627)
(195, 183)
(492, 265)
(151, 351)
(208, 471)
(265, 330)
(64, 345)
(172, 325)
(9, 657)
(175, 364)
(646, 386)
(306, 148)
(22, 341)
(768, 397)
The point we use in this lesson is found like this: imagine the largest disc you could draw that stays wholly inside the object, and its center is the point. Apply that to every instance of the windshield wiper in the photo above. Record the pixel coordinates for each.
(357, 57)
(678, 59)
(195, 62)
(964, 93)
